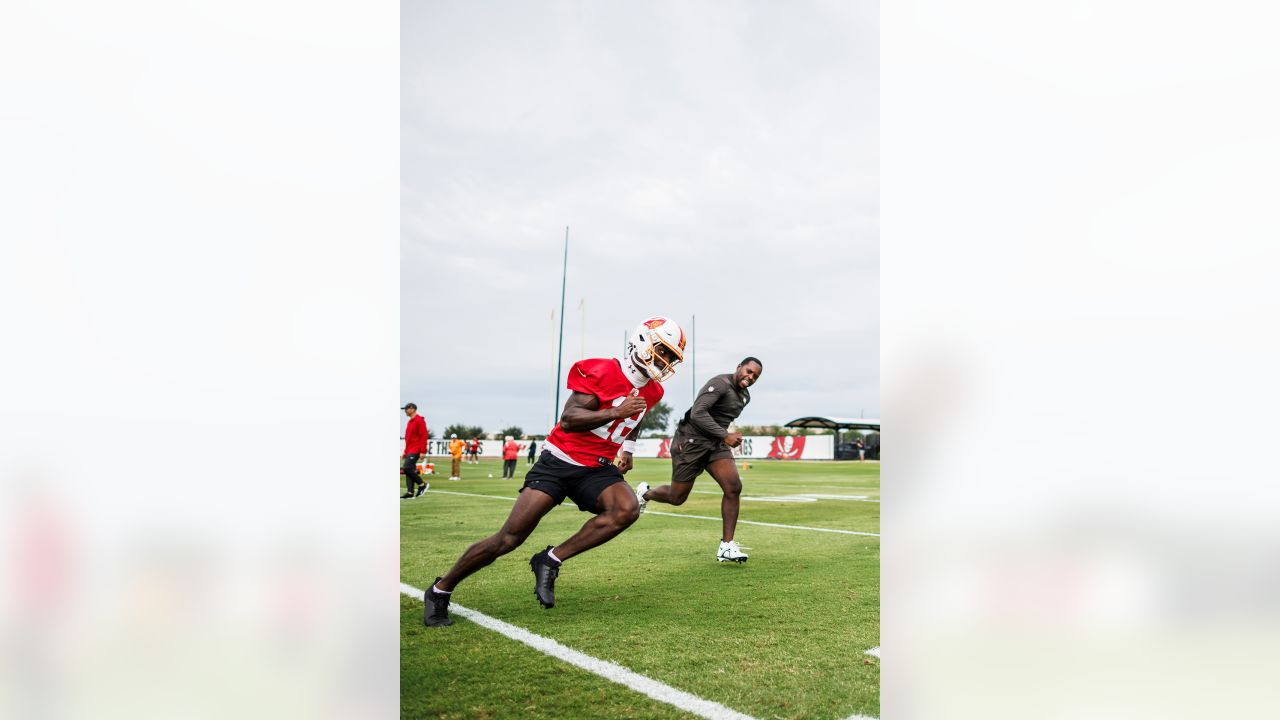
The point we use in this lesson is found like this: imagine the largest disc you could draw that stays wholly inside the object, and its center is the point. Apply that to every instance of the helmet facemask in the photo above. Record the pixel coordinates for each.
(660, 361)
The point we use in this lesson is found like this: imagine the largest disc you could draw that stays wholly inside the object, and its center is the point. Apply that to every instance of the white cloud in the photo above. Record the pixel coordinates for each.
(711, 159)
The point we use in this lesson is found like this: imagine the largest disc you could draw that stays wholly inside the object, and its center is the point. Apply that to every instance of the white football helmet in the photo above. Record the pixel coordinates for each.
(656, 346)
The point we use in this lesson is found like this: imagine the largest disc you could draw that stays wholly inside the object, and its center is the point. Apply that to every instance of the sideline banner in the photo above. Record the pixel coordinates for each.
(488, 448)
(753, 447)
(757, 447)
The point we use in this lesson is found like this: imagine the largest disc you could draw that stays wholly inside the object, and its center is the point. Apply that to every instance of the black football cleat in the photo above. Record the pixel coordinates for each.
(545, 572)
(421, 489)
(436, 613)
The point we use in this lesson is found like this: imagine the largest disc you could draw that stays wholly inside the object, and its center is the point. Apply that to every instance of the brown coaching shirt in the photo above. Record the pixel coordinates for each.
(718, 404)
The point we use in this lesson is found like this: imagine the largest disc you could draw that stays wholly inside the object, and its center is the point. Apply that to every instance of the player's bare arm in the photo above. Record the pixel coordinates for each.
(582, 412)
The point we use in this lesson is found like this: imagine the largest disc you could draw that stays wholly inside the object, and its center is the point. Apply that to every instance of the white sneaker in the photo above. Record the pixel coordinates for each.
(730, 552)
(641, 489)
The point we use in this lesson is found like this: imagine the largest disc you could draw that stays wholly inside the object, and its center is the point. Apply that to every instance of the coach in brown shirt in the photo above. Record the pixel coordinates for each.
(703, 442)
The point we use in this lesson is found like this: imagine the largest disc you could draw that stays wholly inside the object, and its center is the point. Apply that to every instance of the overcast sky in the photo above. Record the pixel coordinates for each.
(717, 159)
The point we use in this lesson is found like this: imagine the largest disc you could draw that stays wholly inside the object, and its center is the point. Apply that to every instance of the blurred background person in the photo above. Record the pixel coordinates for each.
(533, 444)
(510, 451)
(415, 446)
(455, 449)
(473, 451)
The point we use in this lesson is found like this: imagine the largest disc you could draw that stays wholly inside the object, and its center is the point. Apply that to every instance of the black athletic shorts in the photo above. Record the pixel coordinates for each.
(580, 483)
(692, 453)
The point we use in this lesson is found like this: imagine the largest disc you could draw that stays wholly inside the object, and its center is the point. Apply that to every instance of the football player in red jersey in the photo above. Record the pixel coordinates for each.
(608, 401)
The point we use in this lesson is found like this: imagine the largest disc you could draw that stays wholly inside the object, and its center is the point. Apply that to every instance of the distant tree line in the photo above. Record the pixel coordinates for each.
(656, 423)
(466, 432)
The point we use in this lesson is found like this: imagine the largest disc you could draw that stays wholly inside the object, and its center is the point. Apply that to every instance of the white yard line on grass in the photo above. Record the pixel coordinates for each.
(757, 522)
(874, 651)
(605, 669)
(686, 515)
(455, 492)
(764, 498)
(794, 497)
(805, 486)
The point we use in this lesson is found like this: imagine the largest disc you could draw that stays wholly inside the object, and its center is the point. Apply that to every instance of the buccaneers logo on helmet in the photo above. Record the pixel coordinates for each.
(657, 346)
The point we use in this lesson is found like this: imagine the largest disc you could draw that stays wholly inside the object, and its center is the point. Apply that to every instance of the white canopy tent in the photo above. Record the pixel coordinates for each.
(836, 423)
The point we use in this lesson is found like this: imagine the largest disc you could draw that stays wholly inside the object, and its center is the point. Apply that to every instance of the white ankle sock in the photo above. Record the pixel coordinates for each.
(551, 554)
(435, 589)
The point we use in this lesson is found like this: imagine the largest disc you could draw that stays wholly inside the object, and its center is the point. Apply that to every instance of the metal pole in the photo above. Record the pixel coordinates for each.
(555, 382)
(564, 275)
(582, 318)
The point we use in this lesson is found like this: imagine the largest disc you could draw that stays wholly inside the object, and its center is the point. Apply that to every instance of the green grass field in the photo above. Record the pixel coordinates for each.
(782, 636)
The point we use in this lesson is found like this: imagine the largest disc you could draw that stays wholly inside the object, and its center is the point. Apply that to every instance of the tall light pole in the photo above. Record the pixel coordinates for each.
(555, 382)
(564, 275)
(693, 360)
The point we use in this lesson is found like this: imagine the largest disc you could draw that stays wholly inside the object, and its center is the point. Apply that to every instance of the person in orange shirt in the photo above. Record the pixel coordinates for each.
(510, 451)
(455, 449)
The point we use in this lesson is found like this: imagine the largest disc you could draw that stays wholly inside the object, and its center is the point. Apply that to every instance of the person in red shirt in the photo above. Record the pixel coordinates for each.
(474, 449)
(510, 451)
(415, 446)
(609, 399)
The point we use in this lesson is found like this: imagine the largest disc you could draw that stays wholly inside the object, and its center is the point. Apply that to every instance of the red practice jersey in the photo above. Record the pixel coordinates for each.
(415, 436)
(602, 377)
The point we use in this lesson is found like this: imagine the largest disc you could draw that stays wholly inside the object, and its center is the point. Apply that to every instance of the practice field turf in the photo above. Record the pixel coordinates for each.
(781, 636)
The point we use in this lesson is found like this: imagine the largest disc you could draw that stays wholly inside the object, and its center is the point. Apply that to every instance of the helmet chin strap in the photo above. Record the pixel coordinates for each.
(634, 372)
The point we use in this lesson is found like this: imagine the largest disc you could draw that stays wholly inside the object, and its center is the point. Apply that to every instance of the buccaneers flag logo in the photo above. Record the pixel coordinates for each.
(653, 323)
(787, 447)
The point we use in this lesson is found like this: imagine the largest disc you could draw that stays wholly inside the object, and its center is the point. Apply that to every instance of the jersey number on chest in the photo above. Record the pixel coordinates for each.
(617, 430)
